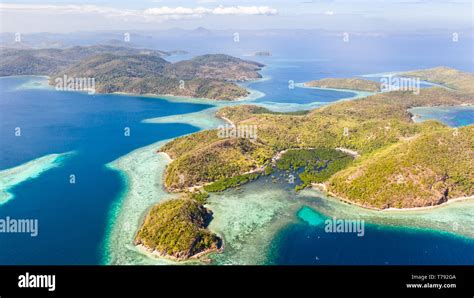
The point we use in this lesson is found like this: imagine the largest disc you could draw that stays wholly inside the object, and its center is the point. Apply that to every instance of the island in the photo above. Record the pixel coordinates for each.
(346, 83)
(367, 151)
(47, 62)
(136, 71)
(262, 54)
(176, 229)
(446, 76)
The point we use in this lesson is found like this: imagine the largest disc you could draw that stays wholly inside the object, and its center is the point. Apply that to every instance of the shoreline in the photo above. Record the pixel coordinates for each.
(304, 85)
(158, 259)
(143, 173)
(182, 261)
(450, 218)
(449, 201)
(358, 93)
(322, 187)
(422, 113)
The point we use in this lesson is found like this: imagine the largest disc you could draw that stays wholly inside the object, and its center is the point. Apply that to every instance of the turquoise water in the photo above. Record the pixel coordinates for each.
(89, 130)
(310, 217)
(87, 222)
(307, 242)
(72, 218)
(452, 116)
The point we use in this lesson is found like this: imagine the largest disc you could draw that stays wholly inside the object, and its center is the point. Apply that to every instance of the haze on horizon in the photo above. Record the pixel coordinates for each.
(60, 16)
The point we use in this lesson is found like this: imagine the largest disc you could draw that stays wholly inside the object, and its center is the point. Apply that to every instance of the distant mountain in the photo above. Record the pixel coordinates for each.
(177, 52)
(200, 31)
(207, 76)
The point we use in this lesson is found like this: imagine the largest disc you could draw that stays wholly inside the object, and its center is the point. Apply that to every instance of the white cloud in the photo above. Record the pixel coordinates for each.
(250, 10)
(64, 9)
(220, 10)
(164, 11)
(150, 14)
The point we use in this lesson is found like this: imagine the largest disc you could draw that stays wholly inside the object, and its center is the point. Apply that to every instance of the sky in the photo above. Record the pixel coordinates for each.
(61, 16)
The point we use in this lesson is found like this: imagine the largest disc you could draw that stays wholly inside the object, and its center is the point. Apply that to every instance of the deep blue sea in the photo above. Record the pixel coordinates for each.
(73, 217)
(307, 242)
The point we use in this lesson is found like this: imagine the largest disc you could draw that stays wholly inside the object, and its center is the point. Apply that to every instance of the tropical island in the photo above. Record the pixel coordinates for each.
(177, 229)
(47, 62)
(346, 83)
(136, 71)
(445, 76)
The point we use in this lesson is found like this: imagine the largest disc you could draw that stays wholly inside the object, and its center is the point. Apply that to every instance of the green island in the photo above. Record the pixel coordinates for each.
(446, 76)
(400, 163)
(346, 83)
(136, 71)
(177, 229)
(47, 62)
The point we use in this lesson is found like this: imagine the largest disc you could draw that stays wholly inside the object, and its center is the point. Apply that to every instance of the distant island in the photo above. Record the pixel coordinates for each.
(262, 53)
(136, 71)
(446, 76)
(346, 83)
(47, 62)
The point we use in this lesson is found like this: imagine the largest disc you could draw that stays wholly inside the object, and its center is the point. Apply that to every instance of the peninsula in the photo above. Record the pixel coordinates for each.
(345, 83)
(436, 165)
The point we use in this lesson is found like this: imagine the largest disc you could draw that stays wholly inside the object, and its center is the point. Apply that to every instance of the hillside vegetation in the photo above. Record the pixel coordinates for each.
(177, 228)
(214, 160)
(207, 76)
(135, 71)
(449, 77)
(50, 61)
(346, 83)
(427, 170)
(370, 126)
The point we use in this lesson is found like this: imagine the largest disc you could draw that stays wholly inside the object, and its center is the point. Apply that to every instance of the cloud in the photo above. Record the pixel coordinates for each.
(68, 9)
(150, 14)
(166, 11)
(249, 10)
(220, 10)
